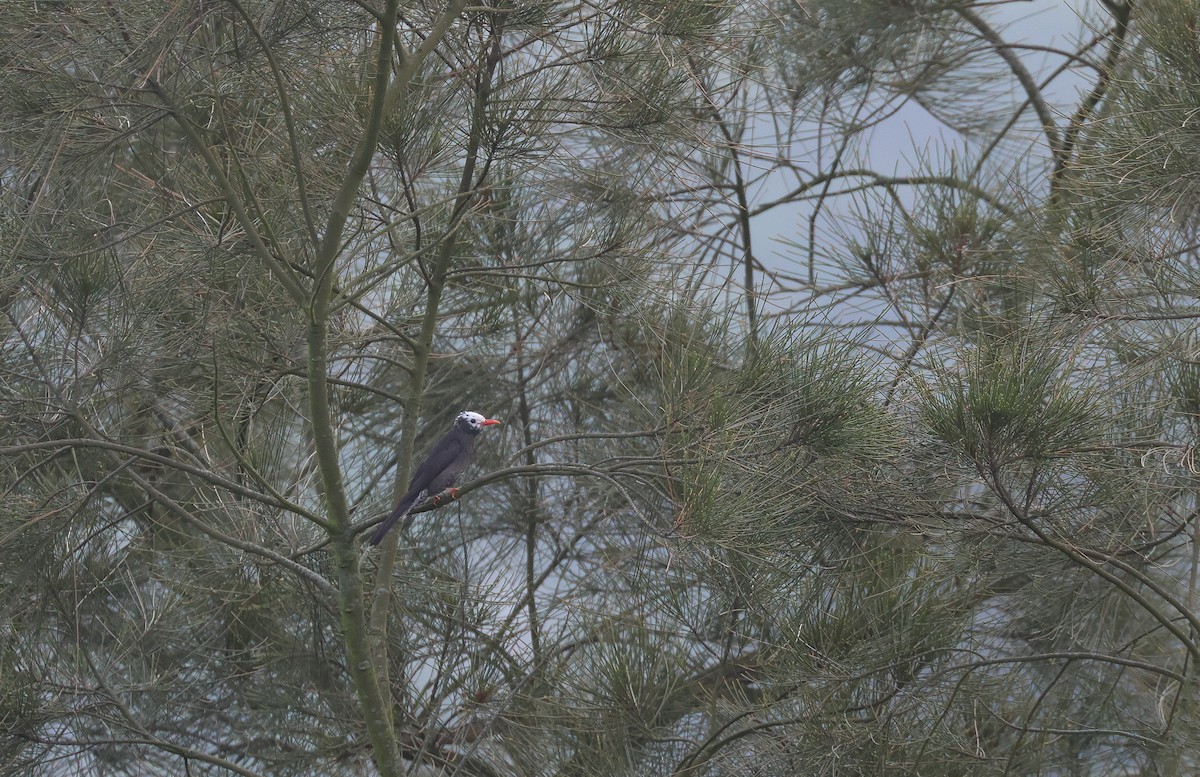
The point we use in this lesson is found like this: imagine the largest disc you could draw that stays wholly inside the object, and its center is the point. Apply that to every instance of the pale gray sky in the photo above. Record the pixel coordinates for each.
(897, 145)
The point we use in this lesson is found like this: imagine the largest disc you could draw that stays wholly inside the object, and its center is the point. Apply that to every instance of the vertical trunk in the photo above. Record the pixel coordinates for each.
(422, 350)
(375, 705)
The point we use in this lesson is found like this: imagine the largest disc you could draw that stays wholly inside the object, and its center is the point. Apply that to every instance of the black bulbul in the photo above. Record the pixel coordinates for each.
(441, 468)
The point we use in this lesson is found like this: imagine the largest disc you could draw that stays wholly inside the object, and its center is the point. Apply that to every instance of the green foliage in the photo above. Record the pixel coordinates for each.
(908, 489)
(1010, 402)
(1185, 389)
(1139, 165)
(793, 434)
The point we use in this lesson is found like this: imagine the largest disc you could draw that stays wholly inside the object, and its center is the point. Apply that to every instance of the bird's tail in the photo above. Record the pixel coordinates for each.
(401, 510)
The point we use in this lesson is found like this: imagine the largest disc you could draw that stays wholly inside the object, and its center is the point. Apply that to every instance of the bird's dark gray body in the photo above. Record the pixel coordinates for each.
(441, 469)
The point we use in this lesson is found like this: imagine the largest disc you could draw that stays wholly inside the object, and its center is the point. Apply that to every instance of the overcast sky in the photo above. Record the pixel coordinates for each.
(896, 146)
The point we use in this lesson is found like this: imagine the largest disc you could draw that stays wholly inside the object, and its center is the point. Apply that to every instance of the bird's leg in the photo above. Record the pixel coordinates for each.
(450, 494)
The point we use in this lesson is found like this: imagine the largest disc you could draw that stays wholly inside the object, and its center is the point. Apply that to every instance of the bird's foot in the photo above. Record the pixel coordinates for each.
(449, 495)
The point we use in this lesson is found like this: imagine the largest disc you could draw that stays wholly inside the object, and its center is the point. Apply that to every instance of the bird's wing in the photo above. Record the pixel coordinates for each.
(443, 455)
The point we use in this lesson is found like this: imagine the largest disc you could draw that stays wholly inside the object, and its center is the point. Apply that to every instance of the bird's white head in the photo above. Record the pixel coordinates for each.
(470, 421)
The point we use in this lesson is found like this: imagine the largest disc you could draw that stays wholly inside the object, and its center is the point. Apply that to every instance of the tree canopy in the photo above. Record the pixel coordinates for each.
(812, 462)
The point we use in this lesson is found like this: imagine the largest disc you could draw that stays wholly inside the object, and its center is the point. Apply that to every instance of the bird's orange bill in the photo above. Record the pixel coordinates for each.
(491, 422)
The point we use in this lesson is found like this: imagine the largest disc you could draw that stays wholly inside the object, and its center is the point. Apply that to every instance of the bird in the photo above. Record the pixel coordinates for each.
(441, 468)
